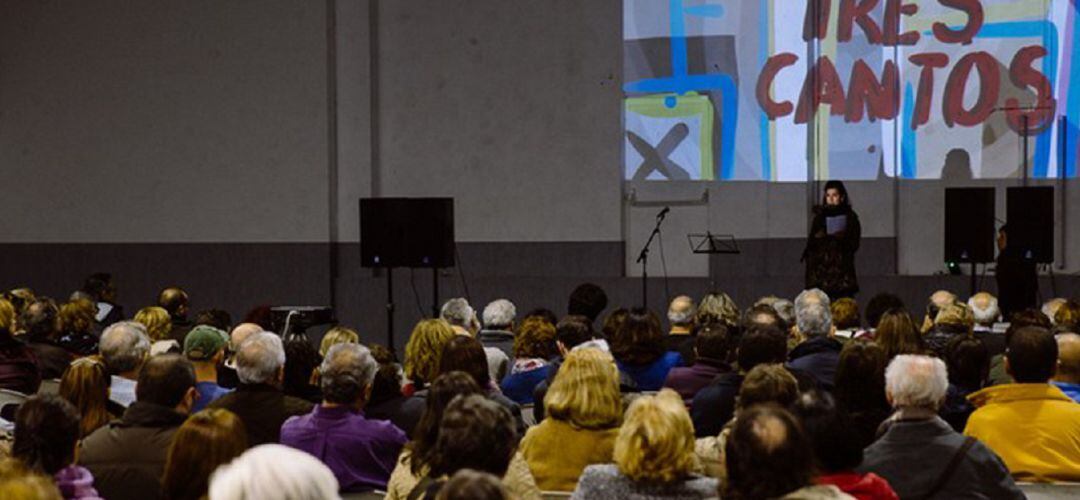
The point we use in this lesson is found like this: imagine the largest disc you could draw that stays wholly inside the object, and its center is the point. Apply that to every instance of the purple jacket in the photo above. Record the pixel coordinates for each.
(687, 381)
(360, 452)
(76, 483)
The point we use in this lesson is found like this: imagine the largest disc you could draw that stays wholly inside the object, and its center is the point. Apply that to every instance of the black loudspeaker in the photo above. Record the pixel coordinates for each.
(969, 225)
(407, 232)
(1030, 216)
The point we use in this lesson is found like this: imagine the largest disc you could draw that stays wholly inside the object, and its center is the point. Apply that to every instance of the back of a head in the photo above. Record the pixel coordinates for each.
(124, 346)
(40, 318)
(346, 372)
(768, 383)
(762, 315)
(442, 391)
(717, 307)
(812, 315)
(18, 482)
(984, 308)
(939, 299)
(587, 300)
(77, 316)
(458, 312)
(424, 349)
(260, 358)
(860, 376)
(878, 305)
(585, 391)
(574, 330)
(1067, 317)
(656, 441)
(916, 381)
(613, 322)
(1068, 358)
(535, 338)
(164, 380)
(1031, 355)
(845, 314)
(896, 333)
(46, 430)
(301, 359)
(7, 316)
(543, 313)
(968, 361)
(85, 385)
(681, 311)
(475, 433)
(713, 342)
(499, 314)
(955, 318)
(761, 345)
(274, 472)
(157, 321)
(468, 484)
(240, 333)
(640, 340)
(174, 300)
(216, 318)
(205, 441)
(338, 335)
(1050, 307)
(98, 285)
(767, 455)
(466, 354)
(1025, 318)
(828, 432)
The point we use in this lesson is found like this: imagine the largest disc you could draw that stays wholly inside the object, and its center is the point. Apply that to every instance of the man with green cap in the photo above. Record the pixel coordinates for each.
(205, 347)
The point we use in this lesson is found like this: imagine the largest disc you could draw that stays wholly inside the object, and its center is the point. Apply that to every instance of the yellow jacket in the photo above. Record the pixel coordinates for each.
(1034, 428)
(557, 452)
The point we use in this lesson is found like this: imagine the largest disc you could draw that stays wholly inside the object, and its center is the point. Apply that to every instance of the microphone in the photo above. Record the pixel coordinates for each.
(663, 213)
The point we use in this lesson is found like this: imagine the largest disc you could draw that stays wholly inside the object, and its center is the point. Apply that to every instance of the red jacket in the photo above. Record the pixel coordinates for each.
(867, 486)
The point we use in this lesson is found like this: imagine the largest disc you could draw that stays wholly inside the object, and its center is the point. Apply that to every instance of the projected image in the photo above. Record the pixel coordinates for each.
(793, 90)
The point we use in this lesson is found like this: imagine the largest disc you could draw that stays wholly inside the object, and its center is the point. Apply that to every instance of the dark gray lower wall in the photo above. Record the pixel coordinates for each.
(236, 277)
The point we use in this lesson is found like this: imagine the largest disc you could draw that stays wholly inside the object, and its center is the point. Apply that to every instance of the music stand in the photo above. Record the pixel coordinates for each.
(708, 243)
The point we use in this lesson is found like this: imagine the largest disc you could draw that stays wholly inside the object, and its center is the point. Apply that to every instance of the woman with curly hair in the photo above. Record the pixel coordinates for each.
(534, 345)
(639, 349)
(424, 350)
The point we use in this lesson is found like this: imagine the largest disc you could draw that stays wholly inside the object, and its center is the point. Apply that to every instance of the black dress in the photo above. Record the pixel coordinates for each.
(830, 259)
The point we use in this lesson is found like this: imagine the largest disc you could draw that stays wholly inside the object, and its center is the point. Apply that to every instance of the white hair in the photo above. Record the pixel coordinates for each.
(457, 311)
(684, 316)
(499, 313)
(812, 314)
(985, 316)
(916, 381)
(273, 472)
(124, 345)
(260, 357)
(1050, 307)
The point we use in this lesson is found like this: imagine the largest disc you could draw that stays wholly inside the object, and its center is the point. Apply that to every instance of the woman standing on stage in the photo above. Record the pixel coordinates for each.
(832, 243)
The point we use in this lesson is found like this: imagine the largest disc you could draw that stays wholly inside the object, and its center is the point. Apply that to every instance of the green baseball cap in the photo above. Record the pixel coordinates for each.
(203, 342)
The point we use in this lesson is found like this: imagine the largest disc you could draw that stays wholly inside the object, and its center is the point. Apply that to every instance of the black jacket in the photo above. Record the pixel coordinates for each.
(830, 259)
(127, 456)
(262, 408)
(818, 358)
(714, 405)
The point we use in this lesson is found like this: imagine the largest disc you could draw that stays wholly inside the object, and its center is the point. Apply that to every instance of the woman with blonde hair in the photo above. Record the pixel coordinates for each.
(338, 335)
(584, 409)
(424, 350)
(158, 325)
(85, 384)
(77, 327)
(18, 366)
(654, 455)
(206, 440)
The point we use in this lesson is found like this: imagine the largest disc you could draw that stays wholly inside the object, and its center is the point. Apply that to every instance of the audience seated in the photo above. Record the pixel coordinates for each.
(714, 405)
(845, 316)
(612, 322)
(41, 325)
(158, 327)
(18, 366)
(836, 455)
(124, 349)
(127, 456)
(717, 307)
(174, 300)
(968, 363)
(952, 320)
(86, 386)
(1067, 377)
(77, 334)
(1031, 424)
(462, 318)
(638, 347)
(1020, 319)
(273, 472)
(878, 305)
(896, 334)
(584, 410)
(387, 401)
(711, 350)
(475, 433)
(588, 300)
(102, 290)
(984, 307)
(819, 352)
(216, 318)
(424, 349)
(938, 300)
(259, 400)
(784, 309)
(498, 331)
(18, 482)
(570, 332)
(654, 456)
(227, 376)
(680, 337)
(1050, 307)
(415, 459)
(765, 383)
(360, 451)
(467, 484)
(337, 335)
(860, 390)
(203, 442)
(771, 457)
(534, 345)
(301, 363)
(46, 440)
(949, 465)
(204, 346)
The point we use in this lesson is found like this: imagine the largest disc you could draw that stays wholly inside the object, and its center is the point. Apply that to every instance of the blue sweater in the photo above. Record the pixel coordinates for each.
(651, 377)
(519, 386)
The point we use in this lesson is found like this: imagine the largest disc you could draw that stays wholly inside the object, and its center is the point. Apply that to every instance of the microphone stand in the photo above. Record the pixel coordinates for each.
(643, 258)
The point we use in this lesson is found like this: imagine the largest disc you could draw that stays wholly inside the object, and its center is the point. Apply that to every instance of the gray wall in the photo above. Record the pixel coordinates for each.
(222, 145)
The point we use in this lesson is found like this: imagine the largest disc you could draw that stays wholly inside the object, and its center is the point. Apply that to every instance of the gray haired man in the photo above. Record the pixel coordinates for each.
(819, 352)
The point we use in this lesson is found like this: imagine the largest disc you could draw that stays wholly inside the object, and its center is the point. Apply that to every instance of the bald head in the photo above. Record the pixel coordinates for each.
(241, 332)
(985, 308)
(1050, 307)
(942, 298)
(174, 300)
(681, 311)
(1068, 358)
